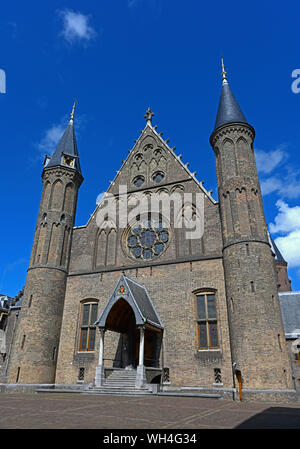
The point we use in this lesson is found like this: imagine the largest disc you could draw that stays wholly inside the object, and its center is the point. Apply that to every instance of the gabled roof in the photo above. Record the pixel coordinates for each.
(138, 298)
(189, 174)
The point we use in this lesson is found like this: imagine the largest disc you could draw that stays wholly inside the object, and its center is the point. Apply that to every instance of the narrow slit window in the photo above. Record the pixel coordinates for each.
(18, 375)
(23, 341)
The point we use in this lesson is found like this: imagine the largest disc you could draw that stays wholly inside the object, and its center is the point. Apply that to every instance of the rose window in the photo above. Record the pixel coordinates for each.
(148, 239)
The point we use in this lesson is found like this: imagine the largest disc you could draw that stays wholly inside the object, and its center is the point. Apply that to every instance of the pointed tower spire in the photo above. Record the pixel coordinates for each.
(66, 153)
(228, 110)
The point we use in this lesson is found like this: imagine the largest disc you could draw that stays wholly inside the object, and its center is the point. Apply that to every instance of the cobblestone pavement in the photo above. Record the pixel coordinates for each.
(74, 411)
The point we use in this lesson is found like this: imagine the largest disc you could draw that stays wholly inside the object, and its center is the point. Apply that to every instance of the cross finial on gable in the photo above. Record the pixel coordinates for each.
(148, 116)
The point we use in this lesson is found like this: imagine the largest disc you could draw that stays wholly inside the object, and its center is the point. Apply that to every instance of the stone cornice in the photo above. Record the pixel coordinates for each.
(242, 128)
(59, 172)
(247, 240)
(108, 269)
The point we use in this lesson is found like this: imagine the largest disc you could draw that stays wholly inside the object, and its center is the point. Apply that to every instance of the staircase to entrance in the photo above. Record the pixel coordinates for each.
(120, 382)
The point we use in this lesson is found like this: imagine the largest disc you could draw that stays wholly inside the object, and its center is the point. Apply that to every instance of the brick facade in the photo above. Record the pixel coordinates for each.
(70, 267)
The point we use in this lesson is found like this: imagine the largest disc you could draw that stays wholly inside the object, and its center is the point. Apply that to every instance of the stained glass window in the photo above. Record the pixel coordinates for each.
(148, 239)
(158, 177)
(138, 181)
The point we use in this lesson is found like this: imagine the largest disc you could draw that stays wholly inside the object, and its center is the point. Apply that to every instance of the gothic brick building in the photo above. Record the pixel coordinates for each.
(191, 314)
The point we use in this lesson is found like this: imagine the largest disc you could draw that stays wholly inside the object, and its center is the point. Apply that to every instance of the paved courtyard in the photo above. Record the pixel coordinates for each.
(74, 411)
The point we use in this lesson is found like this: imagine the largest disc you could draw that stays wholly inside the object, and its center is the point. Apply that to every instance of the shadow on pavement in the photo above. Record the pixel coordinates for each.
(273, 418)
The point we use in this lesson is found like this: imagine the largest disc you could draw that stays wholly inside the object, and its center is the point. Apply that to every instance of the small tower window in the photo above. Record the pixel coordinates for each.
(68, 161)
(23, 341)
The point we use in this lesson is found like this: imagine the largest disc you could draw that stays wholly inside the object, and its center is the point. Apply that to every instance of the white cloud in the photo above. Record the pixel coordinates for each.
(289, 245)
(285, 180)
(267, 161)
(52, 135)
(76, 27)
(287, 222)
(286, 185)
(51, 138)
(270, 185)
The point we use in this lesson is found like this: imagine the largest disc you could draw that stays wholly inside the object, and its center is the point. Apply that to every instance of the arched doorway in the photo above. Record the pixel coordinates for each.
(121, 319)
(131, 313)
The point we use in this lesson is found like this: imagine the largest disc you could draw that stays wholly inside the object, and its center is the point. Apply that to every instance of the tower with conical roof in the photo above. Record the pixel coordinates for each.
(259, 356)
(33, 358)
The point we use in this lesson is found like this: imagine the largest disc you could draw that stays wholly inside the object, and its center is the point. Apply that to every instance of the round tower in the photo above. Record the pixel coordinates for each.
(259, 355)
(34, 354)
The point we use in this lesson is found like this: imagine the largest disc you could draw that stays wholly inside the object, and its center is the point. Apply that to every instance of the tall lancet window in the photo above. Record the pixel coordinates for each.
(87, 329)
(206, 321)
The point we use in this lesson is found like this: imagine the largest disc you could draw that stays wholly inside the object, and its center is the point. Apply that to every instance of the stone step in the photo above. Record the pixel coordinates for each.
(111, 387)
(120, 393)
(120, 376)
(120, 382)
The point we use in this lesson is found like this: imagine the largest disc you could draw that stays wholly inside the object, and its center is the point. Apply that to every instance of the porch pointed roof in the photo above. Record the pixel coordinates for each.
(139, 300)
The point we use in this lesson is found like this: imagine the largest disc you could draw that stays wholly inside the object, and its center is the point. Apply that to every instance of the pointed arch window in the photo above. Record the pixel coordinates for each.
(138, 181)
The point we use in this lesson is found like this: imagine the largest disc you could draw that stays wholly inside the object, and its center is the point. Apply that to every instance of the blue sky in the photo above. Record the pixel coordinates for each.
(118, 57)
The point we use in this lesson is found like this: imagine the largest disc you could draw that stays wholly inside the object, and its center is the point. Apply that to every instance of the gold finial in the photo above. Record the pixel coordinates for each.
(73, 111)
(224, 79)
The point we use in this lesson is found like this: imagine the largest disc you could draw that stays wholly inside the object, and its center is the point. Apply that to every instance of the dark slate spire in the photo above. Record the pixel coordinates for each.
(66, 153)
(278, 256)
(229, 110)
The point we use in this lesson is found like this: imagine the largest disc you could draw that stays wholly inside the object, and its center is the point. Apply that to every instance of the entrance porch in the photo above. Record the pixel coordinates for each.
(131, 313)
